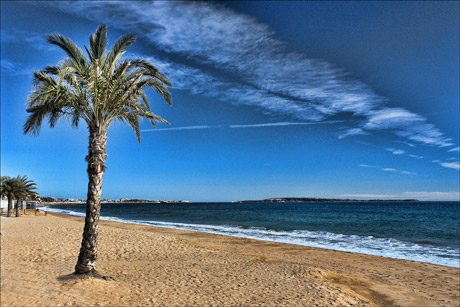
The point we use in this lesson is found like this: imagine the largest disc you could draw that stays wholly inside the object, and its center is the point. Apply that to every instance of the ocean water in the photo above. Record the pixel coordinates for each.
(419, 231)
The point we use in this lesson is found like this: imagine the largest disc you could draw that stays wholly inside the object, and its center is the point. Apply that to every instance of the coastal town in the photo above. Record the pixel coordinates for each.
(60, 200)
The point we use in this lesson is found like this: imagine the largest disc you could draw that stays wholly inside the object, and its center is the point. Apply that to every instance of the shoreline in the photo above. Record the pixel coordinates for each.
(358, 248)
(139, 255)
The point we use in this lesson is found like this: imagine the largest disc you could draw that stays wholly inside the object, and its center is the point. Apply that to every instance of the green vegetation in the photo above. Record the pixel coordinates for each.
(17, 188)
(99, 89)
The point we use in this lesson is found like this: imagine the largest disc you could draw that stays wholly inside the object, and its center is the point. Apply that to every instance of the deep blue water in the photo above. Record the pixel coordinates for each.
(420, 231)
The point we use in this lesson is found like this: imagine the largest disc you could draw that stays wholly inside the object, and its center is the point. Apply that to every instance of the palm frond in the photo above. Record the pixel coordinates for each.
(118, 50)
(99, 89)
(72, 50)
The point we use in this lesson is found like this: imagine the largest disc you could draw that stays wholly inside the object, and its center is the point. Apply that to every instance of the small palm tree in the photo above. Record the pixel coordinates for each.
(10, 187)
(25, 191)
(99, 89)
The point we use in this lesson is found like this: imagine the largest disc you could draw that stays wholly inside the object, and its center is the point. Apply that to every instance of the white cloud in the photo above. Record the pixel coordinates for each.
(388, 169)
(406, 124)
(352, 132)
(453, 165)
(279, 124)
(400, 152)
(370, 166)
(263, 73)
(12, 68)
(395, 151)
(282, 124)
(456, 149)
(33, 39)
(180, 128)
(387, 118)
(407, 173)
(406, 143)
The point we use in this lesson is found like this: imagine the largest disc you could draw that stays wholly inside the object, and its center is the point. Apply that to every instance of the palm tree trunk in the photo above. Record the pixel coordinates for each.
(96, 166)
(18, 207)
(10, 207)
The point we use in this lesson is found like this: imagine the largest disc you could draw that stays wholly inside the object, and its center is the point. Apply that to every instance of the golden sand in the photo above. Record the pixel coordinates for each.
(167, 267)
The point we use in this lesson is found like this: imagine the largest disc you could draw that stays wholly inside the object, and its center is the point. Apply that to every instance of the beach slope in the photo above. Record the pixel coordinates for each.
(166, 267)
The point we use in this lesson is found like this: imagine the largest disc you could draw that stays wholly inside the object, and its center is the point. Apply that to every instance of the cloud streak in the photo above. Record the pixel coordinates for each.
(282, 124)
(389, 169)
(278, 124)
(395, 151)
(12, 68)
(260, 71)
(180, 128)
(453, 165)
(33, 39)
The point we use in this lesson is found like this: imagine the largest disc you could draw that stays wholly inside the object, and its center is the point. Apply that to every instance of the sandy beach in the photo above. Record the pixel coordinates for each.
(166, 267)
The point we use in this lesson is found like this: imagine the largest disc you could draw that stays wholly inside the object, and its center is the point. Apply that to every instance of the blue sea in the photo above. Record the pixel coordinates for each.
(419, 231)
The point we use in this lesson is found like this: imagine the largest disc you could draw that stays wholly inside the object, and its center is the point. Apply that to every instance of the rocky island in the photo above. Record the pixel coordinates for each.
(313, 199)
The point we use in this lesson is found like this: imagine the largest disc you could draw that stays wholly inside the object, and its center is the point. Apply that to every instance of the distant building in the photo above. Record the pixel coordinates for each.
(26, 204)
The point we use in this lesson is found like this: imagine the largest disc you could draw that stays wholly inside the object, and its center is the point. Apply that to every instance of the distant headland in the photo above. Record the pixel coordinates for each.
(312, 199)
(55, 201)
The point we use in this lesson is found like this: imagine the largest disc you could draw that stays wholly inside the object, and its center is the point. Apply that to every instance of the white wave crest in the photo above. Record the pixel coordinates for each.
(370, 245)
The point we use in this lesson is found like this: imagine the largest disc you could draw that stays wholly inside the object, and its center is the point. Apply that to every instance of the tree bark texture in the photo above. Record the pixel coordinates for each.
(96, 166)
(18, 207)
(10, 207)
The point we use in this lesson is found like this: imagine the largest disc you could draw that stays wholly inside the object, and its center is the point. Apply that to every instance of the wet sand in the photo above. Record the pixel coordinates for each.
(167, 267)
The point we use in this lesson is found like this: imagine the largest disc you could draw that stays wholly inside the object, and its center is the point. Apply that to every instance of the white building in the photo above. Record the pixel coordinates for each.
(26, 204)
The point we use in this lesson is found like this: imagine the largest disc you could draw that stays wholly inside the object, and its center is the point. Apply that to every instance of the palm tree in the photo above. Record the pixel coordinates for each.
(25, 191)
(99, 89)
(10, 187)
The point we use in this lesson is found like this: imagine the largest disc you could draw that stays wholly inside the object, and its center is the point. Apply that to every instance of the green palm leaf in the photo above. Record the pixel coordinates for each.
(99, 89)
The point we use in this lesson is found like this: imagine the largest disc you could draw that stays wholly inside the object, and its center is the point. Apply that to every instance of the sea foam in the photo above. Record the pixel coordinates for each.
(370, 245)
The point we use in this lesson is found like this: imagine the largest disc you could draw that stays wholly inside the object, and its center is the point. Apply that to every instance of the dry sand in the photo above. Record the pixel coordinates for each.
(166, 267)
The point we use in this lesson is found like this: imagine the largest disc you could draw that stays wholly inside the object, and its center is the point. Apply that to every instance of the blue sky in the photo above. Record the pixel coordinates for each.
(270, 99)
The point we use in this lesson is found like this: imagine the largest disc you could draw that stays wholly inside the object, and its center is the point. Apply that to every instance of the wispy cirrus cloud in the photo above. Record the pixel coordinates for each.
(453, 165)
(400, 152)
(12, 68)
(406, 124)
(396, 151)
(389, 169)
(33, 39)
(180, 128)
(278, 124)
(456, 149)
(352, 132)
(261, 71)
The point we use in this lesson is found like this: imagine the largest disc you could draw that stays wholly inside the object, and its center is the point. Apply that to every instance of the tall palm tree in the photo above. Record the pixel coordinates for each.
(25, 191)
(100, 89)
(10, 187)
